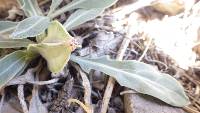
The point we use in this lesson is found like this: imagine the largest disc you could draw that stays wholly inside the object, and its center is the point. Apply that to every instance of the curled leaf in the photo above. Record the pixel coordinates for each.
(56, 34)
(56, 47)
(138, 76)
(56, 55)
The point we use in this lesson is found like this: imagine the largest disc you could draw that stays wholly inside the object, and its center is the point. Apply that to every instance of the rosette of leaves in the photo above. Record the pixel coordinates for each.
(52, 40)
(55, 45)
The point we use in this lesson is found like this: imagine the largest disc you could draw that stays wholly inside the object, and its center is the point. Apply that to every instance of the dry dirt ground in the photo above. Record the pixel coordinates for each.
(155, 35)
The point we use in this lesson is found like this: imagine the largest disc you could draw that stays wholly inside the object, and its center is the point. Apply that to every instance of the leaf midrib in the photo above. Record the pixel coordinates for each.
(16, 41)
(121, 71)
(77, 17)
(33, 9)
(12, 65)
(29, 28)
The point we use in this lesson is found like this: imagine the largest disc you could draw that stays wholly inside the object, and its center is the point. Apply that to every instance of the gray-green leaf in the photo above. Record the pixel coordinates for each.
(11, 65)
(54, 5)
(84, 4)
(31, 27)
(89, 4)
(81, 16)
(6, 26)
(30, 7)
(14, 43)
(138, 76)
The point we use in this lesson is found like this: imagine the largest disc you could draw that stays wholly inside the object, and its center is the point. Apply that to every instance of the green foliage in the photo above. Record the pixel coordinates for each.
(55, 45)
(81, 16)
(84, 4)
(30, 7)
(6, 26)
(14, 43)
(11, 65)
(87, 10)
(90, 4)
(31, 27)
(138, 76)
(54, 5)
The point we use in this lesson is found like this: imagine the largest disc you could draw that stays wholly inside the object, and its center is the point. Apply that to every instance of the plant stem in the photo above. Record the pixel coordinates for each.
(20, 91)
(190, 110)
(87, 88)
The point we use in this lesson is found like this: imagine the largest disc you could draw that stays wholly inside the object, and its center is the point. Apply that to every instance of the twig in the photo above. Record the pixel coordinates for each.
(146, 49)
(128, 92)
(87, 88)
(79, 103)
(28, 77)
(43, 2)
(44, 82)
(20, 91)
(158, 62)
(190, 110)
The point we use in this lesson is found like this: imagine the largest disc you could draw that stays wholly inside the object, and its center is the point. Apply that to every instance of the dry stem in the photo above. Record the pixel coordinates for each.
(87, 88)
(20, 91)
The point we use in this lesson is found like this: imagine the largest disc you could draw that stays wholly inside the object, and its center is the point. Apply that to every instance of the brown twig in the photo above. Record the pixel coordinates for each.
(87, 88)
(190, 110)
(80, 104)
(145, 50)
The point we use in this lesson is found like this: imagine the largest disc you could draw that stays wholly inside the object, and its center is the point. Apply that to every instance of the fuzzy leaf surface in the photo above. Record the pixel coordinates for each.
(89, 4)
(81, 16)
(14, 43)
(6, 26)
(31, 27)
(30, 7)
(138, 76)
(84, 4)
(11, 66)
(54, 5)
